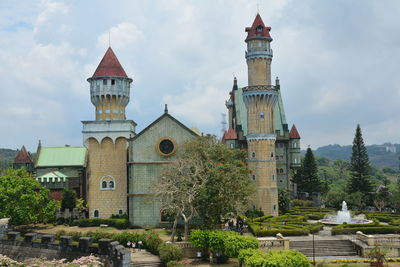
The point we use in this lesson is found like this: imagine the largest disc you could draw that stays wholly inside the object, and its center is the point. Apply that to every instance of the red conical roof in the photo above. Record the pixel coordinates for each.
(230, 134)
(23, 156)
(294, 134)
(252, 31)
(109, 66)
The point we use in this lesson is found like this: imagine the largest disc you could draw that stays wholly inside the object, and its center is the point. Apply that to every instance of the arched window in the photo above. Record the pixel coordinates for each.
(107, 182)
(281, 170)
(253, 177)
(253, 154)
(96, 214)
(272, 154)
(120, 212)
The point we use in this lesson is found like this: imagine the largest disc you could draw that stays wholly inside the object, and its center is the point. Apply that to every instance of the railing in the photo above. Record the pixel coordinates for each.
(379, 240)
(278, 242)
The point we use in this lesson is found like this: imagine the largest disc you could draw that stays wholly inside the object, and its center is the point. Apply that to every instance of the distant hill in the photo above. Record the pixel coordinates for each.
(7, 157)
(382, 156)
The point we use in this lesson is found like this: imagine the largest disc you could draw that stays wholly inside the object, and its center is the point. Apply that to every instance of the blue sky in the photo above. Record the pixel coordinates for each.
(338, 63)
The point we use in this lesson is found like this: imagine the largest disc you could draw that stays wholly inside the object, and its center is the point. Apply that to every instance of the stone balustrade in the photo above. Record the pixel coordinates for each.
(390, 242)
(276, 243)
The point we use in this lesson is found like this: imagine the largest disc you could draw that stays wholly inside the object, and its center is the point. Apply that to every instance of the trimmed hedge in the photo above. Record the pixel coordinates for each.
(287, 225)
(228, 243)
(365, 228)
(282, 258)
(117, 223)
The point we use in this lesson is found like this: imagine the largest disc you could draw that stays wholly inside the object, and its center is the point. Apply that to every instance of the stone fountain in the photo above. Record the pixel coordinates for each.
(344, 216)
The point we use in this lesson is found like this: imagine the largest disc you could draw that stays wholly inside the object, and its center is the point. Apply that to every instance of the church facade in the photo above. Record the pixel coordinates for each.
(257, 123)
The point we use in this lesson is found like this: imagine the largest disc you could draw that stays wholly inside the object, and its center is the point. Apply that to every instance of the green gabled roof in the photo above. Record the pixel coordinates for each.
(279, 116)
(54, 174)
(62, 156)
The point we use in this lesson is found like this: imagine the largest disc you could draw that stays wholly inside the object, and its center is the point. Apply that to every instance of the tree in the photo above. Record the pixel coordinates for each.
(360, 166)
(306, 178)
(283, 201)
(23, 199)
(208, 180)
(69, 199)
(228, 187)
(382, 197)
(179, 187)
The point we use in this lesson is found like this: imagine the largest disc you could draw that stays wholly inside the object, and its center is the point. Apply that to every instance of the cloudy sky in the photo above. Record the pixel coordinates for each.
(338, 62)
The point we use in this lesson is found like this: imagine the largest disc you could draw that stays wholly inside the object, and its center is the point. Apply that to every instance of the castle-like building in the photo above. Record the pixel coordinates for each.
(257, 122)
(116, 168)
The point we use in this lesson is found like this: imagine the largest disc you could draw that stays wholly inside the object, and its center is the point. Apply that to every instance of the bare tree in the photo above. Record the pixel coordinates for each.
(178, 187)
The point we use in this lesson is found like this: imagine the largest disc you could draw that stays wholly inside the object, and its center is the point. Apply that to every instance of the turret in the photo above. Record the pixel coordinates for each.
(110, 88)
(260, 98)
(259, 53)
(294, 147)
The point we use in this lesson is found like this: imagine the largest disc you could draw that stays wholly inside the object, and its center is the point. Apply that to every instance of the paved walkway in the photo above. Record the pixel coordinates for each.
(143, 256)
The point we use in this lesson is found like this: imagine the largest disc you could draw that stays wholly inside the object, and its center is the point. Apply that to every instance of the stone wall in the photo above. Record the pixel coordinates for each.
(30, 246)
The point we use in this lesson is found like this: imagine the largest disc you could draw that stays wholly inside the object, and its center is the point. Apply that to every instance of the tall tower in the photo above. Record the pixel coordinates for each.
(106, 139)
(260, 98)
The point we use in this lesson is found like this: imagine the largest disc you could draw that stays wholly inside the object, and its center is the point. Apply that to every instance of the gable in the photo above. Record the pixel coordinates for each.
(144, 147)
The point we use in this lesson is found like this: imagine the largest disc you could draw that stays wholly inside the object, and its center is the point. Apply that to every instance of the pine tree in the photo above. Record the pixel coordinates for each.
(360, 167)
(306, 178)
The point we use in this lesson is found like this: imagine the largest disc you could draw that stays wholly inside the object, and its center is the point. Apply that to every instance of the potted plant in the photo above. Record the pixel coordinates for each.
(377, 255)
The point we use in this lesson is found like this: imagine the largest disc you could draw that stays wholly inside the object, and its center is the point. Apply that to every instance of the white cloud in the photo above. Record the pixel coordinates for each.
(200, 106)
(121, 36)
(50, 9)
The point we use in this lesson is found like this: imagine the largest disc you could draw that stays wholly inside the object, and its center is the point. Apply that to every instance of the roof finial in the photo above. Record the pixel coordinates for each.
(258, 7)
(166, 109)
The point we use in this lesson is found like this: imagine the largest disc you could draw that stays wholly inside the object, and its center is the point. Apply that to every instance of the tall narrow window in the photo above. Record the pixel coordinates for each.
(96, 214)
(112, 82)
(104, 82)
(104, 185)
(253, 154)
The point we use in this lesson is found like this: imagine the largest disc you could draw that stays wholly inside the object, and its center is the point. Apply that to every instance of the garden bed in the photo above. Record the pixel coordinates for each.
(287, 225)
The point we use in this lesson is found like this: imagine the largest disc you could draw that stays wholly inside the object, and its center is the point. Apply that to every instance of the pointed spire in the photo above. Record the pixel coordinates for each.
(110, 66)
(294, 134)
(258, 28)
(23, 156)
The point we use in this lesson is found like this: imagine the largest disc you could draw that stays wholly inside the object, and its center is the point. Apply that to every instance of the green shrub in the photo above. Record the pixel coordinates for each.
(151, 242)
(283, 258)
(200, 238)
(174, 264)
(395, 222)
(170, 252)
(234, 243)
(365, 228)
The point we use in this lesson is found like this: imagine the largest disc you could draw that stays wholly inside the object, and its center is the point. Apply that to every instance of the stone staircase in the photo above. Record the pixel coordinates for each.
(323, 248)
(147, 264)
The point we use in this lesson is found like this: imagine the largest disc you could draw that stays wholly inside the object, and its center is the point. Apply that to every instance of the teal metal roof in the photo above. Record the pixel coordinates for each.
(279, 115)
(241, 111)
(62, 156)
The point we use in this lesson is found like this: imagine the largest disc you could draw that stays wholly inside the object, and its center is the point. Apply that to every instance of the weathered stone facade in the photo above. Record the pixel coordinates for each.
(146, 162)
